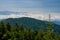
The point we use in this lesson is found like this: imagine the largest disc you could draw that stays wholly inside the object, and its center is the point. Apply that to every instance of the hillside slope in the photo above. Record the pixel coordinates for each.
(31, 23)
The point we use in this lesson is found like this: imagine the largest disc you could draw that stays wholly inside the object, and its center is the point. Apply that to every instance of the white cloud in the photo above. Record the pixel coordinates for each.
(36, 16)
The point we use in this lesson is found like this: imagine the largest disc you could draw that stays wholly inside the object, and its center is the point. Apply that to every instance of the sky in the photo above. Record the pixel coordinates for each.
(38, 9)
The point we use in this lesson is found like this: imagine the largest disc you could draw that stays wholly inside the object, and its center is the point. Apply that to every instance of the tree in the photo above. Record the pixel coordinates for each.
(2, 29)
(21, 27)
(16, 27)
(8, 26)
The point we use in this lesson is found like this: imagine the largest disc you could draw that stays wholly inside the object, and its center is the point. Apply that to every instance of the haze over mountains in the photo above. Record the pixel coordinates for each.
(11, 14)
(57, 22)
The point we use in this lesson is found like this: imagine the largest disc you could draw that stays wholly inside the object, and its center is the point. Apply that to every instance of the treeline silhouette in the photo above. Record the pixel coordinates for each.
(18, 32)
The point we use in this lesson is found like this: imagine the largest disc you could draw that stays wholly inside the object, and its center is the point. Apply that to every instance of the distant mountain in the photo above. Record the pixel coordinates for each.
(57, 22)
(32, 23)
(7, 12)
(10, 12)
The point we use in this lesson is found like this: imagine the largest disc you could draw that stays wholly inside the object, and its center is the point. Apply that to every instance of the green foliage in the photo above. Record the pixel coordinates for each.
(16, 27)
(8, 27)
(20, 33)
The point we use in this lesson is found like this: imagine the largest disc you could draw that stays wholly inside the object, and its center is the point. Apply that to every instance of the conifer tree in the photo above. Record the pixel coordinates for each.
(2, 29)
(8, 26)
(21, 27)
(16, 27)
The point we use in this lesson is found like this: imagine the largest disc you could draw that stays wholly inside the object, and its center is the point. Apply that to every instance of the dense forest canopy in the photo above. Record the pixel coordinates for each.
(18, 32)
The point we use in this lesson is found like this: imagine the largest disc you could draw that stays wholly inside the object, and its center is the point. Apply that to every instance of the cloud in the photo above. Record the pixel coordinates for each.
(36, 16)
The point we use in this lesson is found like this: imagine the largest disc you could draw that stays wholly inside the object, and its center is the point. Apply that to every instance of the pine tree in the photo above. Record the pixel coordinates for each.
(8, 26)
(2, 29)
(16, 27)
(21, 27)
(50, 30)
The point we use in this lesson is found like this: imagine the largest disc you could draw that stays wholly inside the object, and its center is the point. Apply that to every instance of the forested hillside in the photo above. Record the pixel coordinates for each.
(34, 24)
(10, 29)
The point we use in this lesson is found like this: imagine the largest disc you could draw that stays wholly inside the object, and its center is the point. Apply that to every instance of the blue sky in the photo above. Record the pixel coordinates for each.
(42, 7)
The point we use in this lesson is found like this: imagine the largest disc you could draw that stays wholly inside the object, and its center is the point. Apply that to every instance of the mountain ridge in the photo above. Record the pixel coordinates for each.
(34, 24)
(57, 22)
